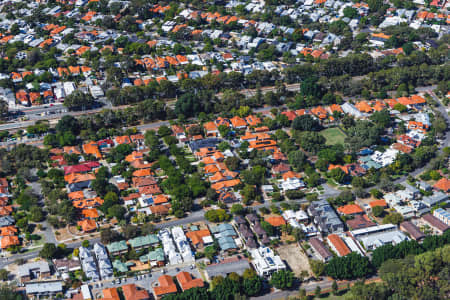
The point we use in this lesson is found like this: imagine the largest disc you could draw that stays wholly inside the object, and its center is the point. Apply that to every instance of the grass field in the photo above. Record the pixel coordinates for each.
(333, 136)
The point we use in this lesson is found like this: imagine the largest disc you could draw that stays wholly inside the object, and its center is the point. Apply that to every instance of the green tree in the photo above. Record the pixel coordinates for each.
(317, 267)
(378, 211)
(117, 211)
(237, 209)
(36, 214)
(305, 123)
(78, 101)
(297, 159)
(393, 218)
(48, 251)
(4, 274)
(282, 279)
(334, 288)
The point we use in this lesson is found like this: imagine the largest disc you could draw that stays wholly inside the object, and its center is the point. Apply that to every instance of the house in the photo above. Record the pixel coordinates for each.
(9, 241)
(376, 236)
(436, 198)
(238, 123)
(166, 286)
(87, 225)
(144, 241)
(117, 248)
(350, 209)
(413, 231)
(200, 238)
(442, 184)
(442, 215)
(186, 281)
(266, 262)
(65, 265)
(43, 289)
(211, 129)
(281, 168)
(111, 294)
(320, 250)
(34, 270)
(437, 225)
(234, 264)
(338, 245)
(131, 292)
(325, 217)
(359, 221)
(155, 257)
(78, 182)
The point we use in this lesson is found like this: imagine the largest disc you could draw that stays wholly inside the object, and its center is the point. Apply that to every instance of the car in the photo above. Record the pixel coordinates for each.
(135, 278)
(177, 269)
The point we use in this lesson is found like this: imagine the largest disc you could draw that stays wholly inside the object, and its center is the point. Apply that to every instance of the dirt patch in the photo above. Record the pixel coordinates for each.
(297, 260)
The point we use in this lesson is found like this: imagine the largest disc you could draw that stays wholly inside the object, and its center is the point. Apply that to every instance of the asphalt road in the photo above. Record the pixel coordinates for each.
(34, 113)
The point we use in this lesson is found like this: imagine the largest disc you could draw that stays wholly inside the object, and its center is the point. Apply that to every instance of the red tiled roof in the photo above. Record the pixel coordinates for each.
(339, 245)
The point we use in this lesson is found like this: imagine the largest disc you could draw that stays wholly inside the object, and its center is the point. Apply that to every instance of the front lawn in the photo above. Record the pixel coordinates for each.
(333, 136)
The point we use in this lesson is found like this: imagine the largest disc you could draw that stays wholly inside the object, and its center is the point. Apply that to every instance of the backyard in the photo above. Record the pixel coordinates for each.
(333, 135)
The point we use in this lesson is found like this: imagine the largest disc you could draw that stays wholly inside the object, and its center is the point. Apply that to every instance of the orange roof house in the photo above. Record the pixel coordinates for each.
(87, 225)
(187, 282)
(276, 221)
(130, 292)
(160, 199)
(62, 71)
(160, 209)
(92, 149)
(390, 102)
(142, 173)
(320, 112)
(16, 77)
(225, 184)
(90, 213)
(364, 107)
(290, 174)
(343, 168)
(77, 177)
(78, 195)
(8, 230)
(182, 59)
(380, 202)
(80, 51)
(9, 241)
(350, 209)
(71, 150)
(74, 70)
(47, 42)
(6, 210)
(196, 237)
(417, 125)
(443, 184)
(238, 122)
(263, 145)
(166, 286)
(336, 107)
(111, 294)
(211, 129)
(253, 120)
(338, 245)
(122, 140)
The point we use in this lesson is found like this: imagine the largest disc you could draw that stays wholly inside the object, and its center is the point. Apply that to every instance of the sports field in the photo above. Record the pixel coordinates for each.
(333, 136)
